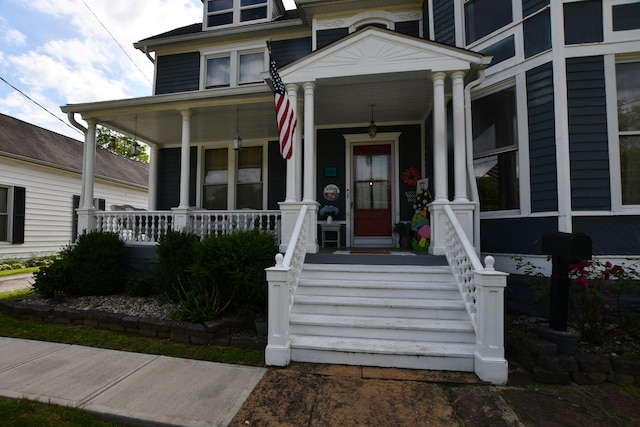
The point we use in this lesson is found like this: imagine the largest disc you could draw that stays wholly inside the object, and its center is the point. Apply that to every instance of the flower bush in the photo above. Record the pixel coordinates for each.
(596, 307)
(329, 210)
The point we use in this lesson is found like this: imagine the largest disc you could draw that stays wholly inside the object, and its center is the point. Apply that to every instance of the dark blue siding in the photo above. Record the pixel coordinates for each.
(542, 139)
(537, 34)
(178, 73)
(514, 235)
(504, 49)
(530, 6)
(169, 178)
(626, 17)
(425, 20)
(277, 176)
(444, 23)
(583, 22)
(611, 235)
(326, 37)
(287, 51)
(588, 139)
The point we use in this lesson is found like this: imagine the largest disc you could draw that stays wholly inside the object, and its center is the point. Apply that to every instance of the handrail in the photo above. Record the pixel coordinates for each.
(296, 244)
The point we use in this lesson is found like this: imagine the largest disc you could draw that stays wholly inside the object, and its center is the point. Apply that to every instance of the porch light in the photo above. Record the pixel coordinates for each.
(135, 148)
(237, 140)
(373, 129)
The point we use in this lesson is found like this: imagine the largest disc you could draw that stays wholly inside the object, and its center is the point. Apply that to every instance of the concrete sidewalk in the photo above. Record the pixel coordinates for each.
(135, 388)
(16, 282)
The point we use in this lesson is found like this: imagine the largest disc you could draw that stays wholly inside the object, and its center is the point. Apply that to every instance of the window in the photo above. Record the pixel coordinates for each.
(483, 17)
(495, 150)
(249, 185)
(227, 12)
(234, 69)
(628, 89)
(4, 214)
(248, 180)
(216, 179)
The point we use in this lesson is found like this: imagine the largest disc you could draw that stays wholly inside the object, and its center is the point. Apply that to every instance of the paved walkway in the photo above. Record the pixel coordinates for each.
(16, 282)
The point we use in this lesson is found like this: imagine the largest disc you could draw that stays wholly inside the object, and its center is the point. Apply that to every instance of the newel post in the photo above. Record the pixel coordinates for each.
(278, 351)
(489, 359)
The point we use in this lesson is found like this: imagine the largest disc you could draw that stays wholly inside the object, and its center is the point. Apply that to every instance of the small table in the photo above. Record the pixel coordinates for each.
(330, 228)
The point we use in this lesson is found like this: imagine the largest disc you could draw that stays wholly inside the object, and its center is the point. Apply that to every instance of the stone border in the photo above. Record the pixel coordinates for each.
(540, 357)
(173, 330)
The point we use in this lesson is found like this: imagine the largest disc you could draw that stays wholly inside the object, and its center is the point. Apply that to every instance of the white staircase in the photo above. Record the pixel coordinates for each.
(400, 316)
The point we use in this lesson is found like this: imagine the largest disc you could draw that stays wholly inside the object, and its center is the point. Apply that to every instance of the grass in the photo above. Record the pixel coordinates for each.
(4, 273)
(27, 413)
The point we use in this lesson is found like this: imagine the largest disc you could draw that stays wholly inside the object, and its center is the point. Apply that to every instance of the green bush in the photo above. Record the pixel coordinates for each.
(175, 251)
(139, 285)
(234, 265)
(94, 265)
(200, 304)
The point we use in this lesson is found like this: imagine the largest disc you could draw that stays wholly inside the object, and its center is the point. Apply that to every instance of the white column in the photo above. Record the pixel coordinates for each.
(291, 188)
(88, 177)
(152, 197)
(185, 159)
(459, 141)
(309, 143)
(439, 138)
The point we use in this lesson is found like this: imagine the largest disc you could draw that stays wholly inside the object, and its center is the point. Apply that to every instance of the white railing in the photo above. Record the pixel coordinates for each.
(225, 222)
(149, 226)
(283, 281)
(482, 290)
(135, 226)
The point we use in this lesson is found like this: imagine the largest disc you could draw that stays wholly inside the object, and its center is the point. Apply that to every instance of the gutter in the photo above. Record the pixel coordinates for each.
(72, 120)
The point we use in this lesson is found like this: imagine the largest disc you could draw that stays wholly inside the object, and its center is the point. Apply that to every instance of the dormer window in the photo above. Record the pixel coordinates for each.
(228, 12)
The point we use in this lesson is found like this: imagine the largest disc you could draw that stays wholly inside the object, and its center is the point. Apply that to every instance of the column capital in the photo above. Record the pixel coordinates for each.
(185, 113)
(458, 74)
(309, 86)
(291, 88)
(91, 121)
(439, 75)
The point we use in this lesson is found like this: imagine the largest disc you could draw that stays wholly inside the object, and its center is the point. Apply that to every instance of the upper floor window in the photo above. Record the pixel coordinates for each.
(482, 17)
(495, 150)
(234, 69)
(227, 12)
(628, 89)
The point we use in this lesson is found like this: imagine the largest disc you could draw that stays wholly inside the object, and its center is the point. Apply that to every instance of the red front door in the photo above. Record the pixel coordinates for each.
(372, 191)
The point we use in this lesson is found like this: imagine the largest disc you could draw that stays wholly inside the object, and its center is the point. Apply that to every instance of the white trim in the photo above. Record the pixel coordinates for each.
(615, 184)
(384, 138)
(616, 36)
(522, 121)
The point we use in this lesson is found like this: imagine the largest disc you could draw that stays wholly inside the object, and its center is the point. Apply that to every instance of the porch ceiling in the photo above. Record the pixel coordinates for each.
(341, 101)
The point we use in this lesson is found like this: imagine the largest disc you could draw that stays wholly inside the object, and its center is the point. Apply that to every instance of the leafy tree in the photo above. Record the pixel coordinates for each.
(120, 144)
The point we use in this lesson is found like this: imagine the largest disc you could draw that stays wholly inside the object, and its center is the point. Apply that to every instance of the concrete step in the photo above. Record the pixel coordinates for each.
(417, 308)
(373, 352)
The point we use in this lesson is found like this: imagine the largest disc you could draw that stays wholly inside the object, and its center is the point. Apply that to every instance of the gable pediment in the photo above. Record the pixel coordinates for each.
(378, 51)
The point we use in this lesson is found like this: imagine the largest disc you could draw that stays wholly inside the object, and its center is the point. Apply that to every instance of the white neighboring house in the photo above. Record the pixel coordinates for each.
(40, 187)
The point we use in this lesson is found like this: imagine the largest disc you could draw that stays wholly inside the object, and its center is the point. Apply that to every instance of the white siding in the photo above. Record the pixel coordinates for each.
(49, 205)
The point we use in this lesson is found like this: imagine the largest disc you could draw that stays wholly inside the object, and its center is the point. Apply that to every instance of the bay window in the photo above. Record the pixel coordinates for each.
(482, 17)
(495, 150)
(628, 90)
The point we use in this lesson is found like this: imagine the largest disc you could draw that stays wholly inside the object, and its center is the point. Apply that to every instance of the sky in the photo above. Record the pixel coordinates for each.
(60, 52)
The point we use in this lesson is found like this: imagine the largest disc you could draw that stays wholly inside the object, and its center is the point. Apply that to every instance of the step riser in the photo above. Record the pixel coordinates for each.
(407, 313)
(436, 363)
(386, 334)
(351, 291)
(396, 276)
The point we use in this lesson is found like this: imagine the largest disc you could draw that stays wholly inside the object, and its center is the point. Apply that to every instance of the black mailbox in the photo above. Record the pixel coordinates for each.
(569, 247)
(565, 249)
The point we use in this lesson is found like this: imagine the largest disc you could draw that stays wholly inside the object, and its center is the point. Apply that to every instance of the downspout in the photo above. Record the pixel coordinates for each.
(146, 52)
(475, 198)
(72, 119)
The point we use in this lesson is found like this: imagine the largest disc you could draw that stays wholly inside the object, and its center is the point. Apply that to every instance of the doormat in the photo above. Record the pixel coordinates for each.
(372, 252)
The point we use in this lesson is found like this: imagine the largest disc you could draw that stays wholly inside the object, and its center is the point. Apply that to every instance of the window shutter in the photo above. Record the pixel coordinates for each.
(17, 236)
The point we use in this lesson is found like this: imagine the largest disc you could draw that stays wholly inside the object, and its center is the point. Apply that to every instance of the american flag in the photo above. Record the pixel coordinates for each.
(285, 112)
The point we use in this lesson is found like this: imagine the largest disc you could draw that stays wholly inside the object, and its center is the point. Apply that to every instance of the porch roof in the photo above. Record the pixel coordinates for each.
(372, 65)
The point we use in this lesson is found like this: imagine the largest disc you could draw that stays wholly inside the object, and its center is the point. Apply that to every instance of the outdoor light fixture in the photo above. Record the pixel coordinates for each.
(373, 129)
(135, 148)
(237, 141)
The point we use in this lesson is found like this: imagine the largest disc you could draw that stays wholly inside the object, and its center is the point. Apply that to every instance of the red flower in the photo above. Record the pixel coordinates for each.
(411, 176)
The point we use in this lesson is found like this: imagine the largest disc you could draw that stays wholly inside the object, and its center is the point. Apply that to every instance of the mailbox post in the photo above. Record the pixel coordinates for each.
(565, 249)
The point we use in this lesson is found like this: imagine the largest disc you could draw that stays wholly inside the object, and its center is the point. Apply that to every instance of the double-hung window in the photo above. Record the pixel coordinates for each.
(228, 12)
(628, 89)
(483, 17)
(495, 150)
(234, 69)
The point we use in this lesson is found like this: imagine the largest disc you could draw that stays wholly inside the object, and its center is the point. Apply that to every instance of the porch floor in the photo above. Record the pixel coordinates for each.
(374, 256)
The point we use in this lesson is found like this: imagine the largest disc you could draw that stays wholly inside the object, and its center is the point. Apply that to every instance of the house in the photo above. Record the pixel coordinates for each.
(522, 115)
(40, 187)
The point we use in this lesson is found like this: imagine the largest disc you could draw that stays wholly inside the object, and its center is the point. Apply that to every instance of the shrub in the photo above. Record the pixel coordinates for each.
(139, 285)
(175, 255)
(94, 265)
(200, 303)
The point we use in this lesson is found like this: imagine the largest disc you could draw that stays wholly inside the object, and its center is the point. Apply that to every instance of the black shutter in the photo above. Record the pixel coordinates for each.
(101, 205)
(74, 226)
(19, 198)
